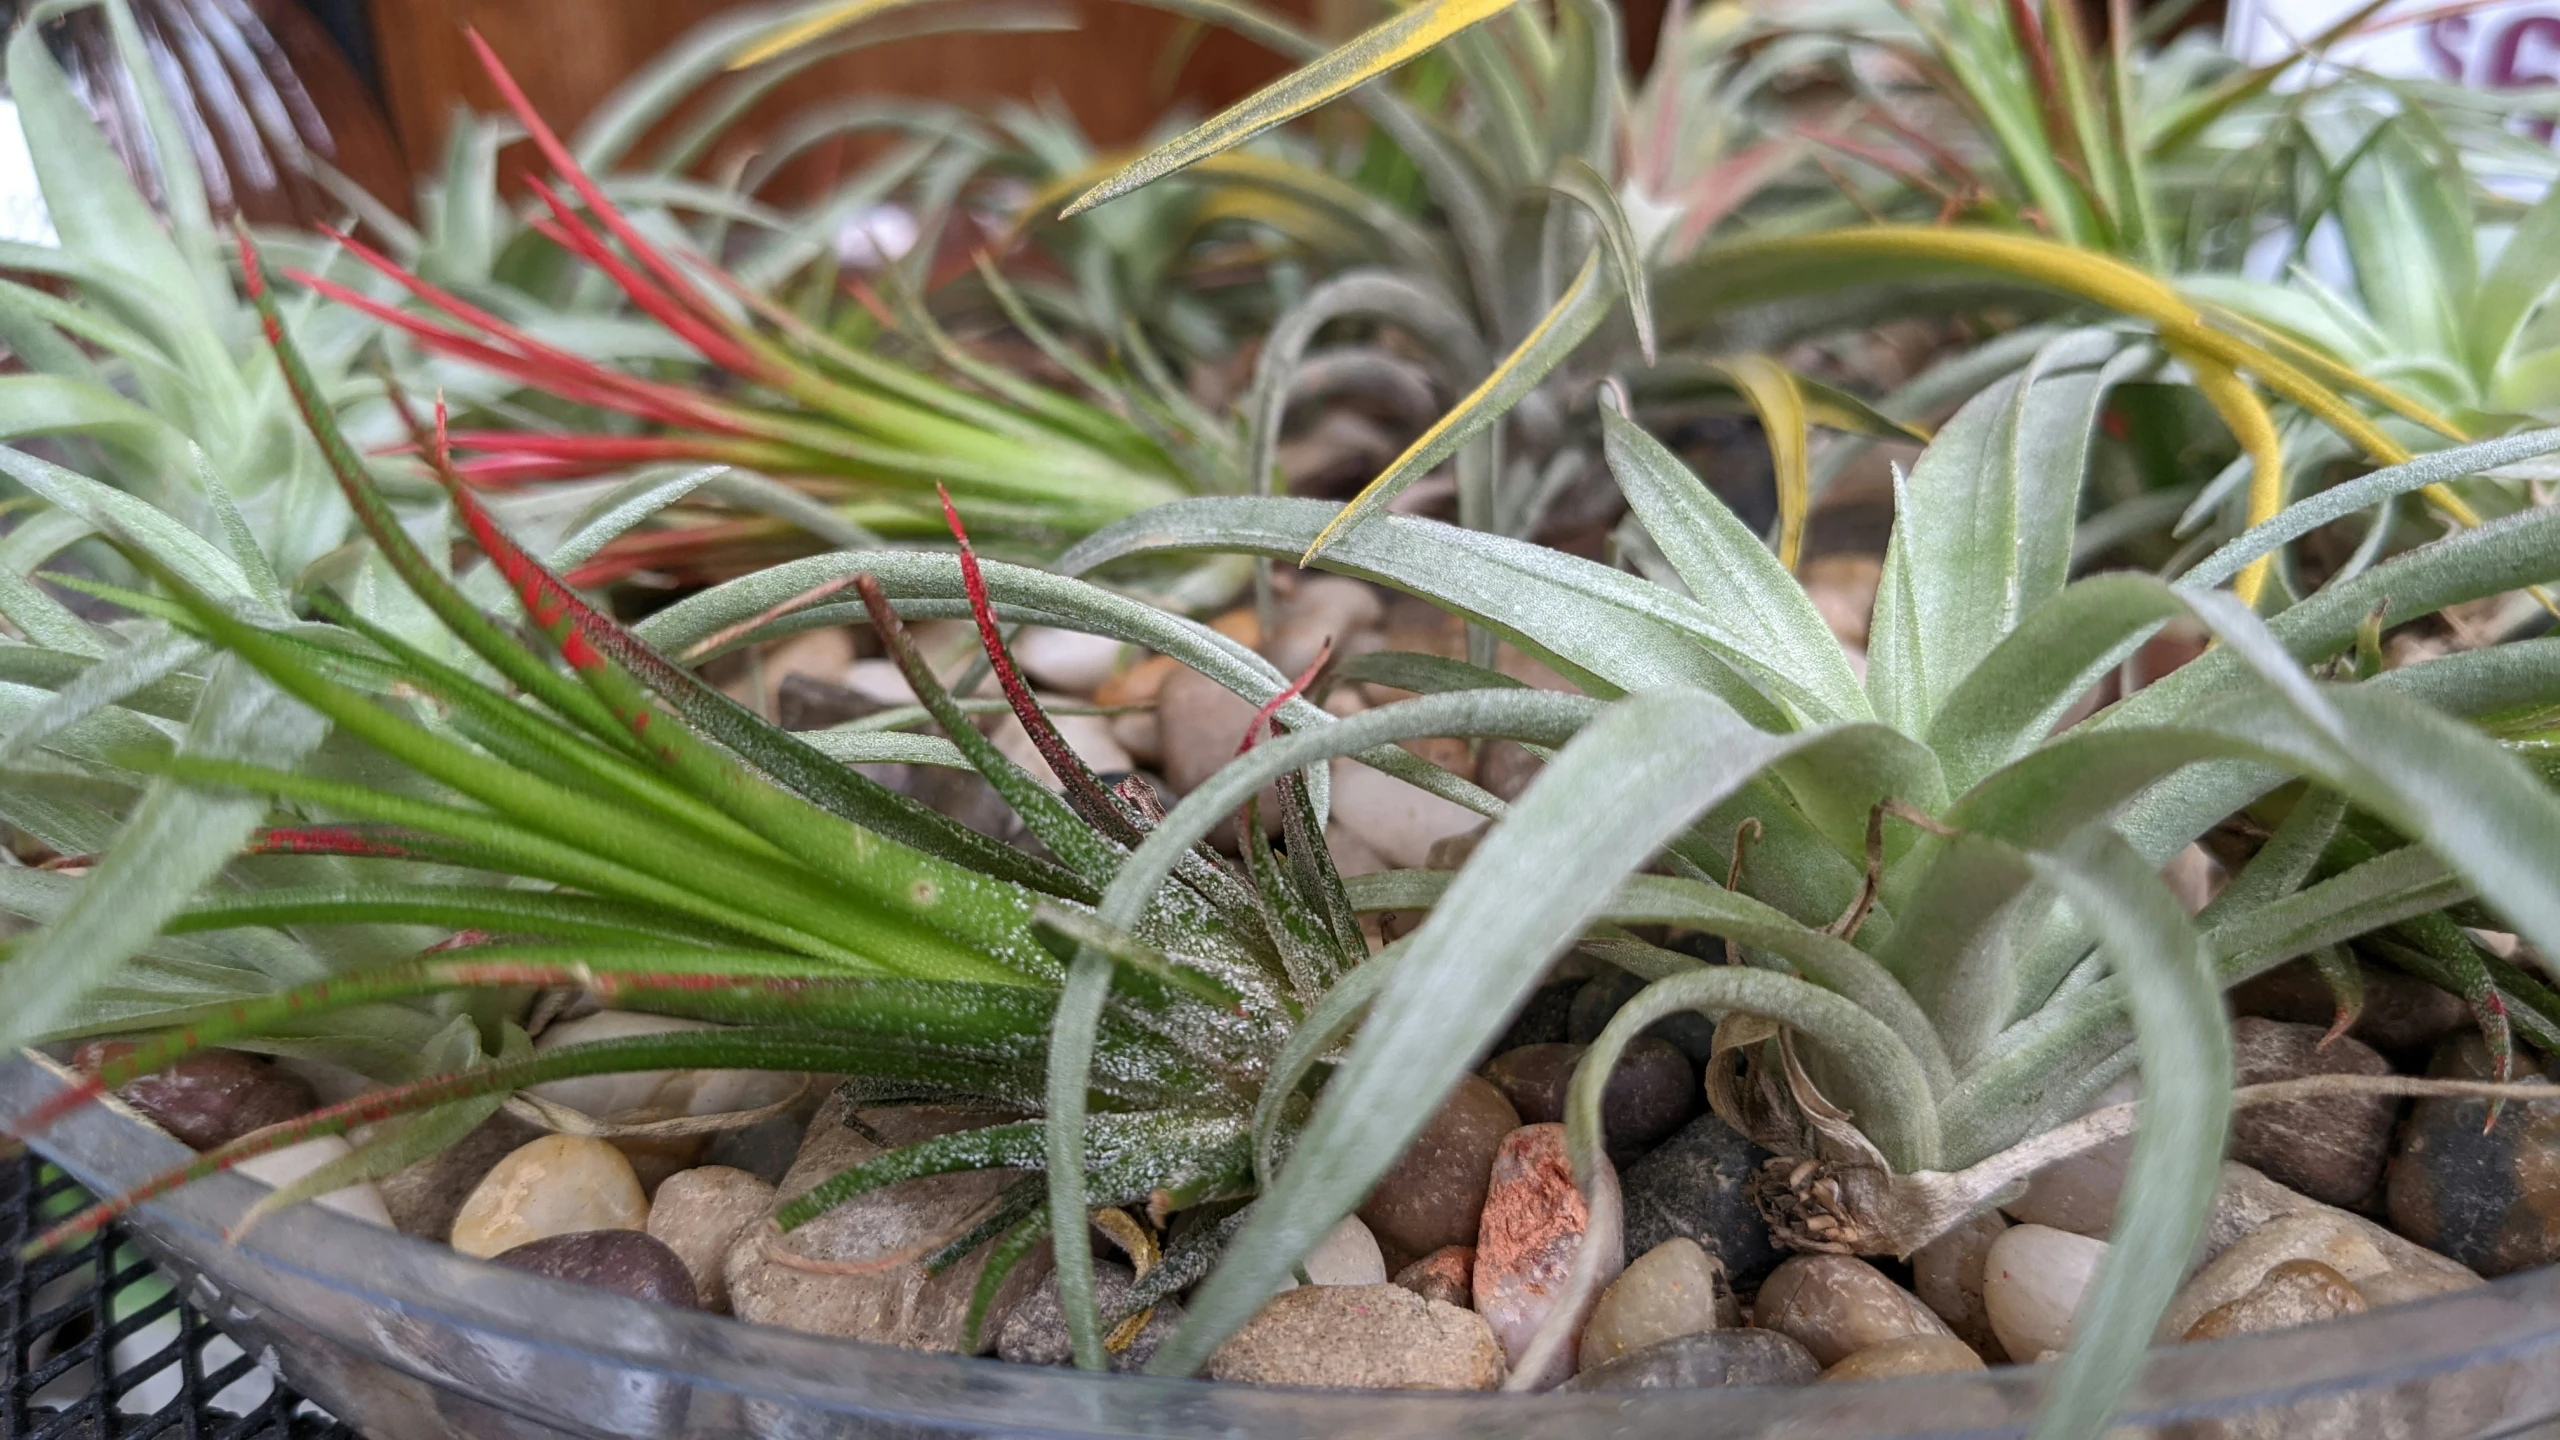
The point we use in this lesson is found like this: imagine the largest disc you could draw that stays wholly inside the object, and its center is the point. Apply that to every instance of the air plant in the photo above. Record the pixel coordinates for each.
(1947, 926)
(588, 813)
(774, 392)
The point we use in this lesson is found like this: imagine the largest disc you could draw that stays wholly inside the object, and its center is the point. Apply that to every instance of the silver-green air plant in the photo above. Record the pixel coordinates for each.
(581, 811)
(1948, 926)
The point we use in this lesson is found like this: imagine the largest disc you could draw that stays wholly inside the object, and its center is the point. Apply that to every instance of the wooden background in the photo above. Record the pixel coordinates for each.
(569, 53)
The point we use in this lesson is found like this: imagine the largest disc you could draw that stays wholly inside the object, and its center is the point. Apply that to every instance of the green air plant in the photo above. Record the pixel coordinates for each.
(588, 813)
(757, 385)
(1948, 928)
(1554, 188)
(1708, 311)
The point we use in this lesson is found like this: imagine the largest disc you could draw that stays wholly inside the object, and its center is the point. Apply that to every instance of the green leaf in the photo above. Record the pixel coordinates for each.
(1982, 526)
(1725, 565)
(2177, 1150)
(1650, 765)
(2310, 513)
(1576, 313)
(2515, 287)
(1604, 629)
(1365, 57)
(1577, 181)
(178, 838)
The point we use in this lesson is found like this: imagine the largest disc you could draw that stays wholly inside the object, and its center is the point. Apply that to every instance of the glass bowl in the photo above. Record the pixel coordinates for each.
(402, 1338)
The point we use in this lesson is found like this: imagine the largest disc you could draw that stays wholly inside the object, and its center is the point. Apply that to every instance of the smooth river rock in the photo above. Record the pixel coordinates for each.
(1838, 1305)
(557, 1185)
(699, 1214)
(1675, 1288)
(1434, 1197)
(2034, 1278)
(627, 1262)
(1364, 1337)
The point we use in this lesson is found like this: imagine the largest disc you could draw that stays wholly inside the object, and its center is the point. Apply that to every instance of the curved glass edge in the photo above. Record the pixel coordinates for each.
(579, 1362)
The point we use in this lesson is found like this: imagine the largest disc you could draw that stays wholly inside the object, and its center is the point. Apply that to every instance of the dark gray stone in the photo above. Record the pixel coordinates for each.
(1609, 991)
(1544, 1020)
(627, 1262)
(1698, 1184)
(1706, 1360)
(2484, 1199)
(1036, 1332)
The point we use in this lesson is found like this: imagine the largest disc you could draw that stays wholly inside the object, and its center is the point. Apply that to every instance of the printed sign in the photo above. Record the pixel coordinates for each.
(2500, 45)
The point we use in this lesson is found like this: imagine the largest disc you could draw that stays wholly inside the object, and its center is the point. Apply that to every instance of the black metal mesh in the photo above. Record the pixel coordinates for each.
(100, 1349)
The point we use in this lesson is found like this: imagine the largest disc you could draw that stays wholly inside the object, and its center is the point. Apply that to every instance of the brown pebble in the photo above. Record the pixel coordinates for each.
(2297, 1292)
(1446, 1275)
(1909, 1355)
(208, 1098)
(626, 1262)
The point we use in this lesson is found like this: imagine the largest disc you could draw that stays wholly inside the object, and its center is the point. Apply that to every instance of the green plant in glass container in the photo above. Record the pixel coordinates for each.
(1950, 926)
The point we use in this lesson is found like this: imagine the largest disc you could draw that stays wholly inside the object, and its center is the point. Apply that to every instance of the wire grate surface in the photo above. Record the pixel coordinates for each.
(99, 1347)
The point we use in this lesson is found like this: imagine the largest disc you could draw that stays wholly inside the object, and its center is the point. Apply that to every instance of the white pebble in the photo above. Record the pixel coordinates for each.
(1068, 660)
(2032, 1284)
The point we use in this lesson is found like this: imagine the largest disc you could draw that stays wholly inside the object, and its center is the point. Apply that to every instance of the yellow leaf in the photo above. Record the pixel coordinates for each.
(2240, 408)
(813, 27)
(1357, 61)
(1775, 397)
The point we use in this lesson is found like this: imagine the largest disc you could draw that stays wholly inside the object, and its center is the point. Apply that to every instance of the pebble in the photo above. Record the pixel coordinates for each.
(1140, 733)
(1400, 821)
(1325, 607)
(1709, 1359)
(1843, 588)
(1201, 723)
(557, 1185)
(1090, 737)
(1347, 1255)
(282, 1167)
(1140, 684)
(857, 1271)
(2247, 1201)
(1446, 1275)
(2297, 1292)
(1947, 1275)
(1910, 1355)
(1535, 1222)
(1608, 992)
(2033, 1279)
(423, 1198)
(1066, 660)
(1698, 1184)
(1542, 1018)
(2399, 1287)
(643, 1095)
(627, 1262)
(1362, 1337)
(2485, 1199)
(698, 1214)
(2079, 1194)
(1036, 1332)
(1673, 1289)
(1838, 1305)
(208, 1098)
(879, 681)
(2331, 1149)
(1434, 1196)
(2345, 1243)
(1651, 1094)
(1534, 1079)
(2401, 1011)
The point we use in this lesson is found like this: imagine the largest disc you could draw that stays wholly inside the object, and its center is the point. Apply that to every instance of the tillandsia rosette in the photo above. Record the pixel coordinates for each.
(764, 389)
(1948, 925)
(587, 813)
